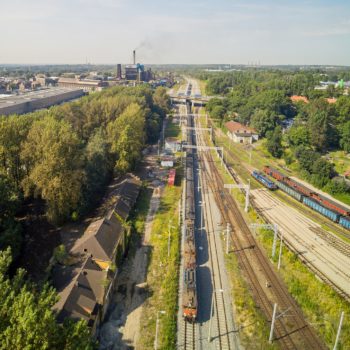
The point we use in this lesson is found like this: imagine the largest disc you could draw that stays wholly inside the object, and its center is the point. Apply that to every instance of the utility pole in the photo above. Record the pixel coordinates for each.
(273, 322)
(247, 197)
(275, 230)
(280, 254)
(273, 227)
(339, 330)
(246, 188)
(227, 237)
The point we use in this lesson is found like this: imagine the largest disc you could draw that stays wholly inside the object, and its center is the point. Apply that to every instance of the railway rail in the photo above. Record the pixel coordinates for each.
(293, 333)
(312, 214)
(221, 312)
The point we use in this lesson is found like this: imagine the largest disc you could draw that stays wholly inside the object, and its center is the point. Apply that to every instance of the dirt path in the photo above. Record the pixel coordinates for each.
(121, 330)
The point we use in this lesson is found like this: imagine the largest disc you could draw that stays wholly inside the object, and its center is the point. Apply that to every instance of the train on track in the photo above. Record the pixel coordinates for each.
(310, 198)
(264, 180)
(189, 293)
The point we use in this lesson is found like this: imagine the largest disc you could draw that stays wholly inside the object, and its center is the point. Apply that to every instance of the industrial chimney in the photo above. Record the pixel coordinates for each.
(134, 55)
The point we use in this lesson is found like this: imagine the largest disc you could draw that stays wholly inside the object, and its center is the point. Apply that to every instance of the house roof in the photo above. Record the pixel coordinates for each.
(331, 100)
(296, 98)
(85, 292)
(238, 128)
(100, 239)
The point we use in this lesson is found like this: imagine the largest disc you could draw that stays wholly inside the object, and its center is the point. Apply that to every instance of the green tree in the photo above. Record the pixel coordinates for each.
(127, 136)
(298, 135)
(322, 171)
(319, 128)
(262, 121)
(274, 142)
(52, 155)
(306, 158)
(345, 137)
(10, 230)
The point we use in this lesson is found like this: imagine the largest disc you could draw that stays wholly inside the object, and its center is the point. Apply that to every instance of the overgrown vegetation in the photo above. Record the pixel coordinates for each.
(67, 154)
(27, 321)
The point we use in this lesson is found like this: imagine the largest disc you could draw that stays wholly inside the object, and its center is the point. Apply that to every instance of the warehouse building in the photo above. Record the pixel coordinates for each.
(88, 85)
(31, 101)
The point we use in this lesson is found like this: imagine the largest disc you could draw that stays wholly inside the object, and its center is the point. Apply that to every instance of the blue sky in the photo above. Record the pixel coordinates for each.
(183, 31)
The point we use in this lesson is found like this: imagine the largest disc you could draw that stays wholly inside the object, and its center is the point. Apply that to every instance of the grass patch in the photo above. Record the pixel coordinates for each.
(162, 278)
(320, 303)
(173, 129)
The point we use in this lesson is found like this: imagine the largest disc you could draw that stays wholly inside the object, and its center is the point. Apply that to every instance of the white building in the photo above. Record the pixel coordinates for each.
(240, 133)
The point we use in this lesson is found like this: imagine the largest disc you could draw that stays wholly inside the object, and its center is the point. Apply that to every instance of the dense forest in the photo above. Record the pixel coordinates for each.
(299, 132)
(64, 157)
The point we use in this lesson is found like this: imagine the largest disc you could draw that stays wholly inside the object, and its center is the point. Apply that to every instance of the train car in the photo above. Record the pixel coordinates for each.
(273, 173)
(264, 180)
(328, 203)
(171, 179)
(189, 296)
(345, 222)
(298, 187)
(321, 209)
(292, 192)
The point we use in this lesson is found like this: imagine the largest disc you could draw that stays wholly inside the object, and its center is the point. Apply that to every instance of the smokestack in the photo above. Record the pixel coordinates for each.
(134, 55)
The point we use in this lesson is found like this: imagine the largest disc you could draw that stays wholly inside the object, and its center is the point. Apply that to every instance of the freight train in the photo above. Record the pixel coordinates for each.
(189, 295)
(310, 198)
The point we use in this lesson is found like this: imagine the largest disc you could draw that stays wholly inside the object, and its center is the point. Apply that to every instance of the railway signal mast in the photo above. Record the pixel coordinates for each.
(273, 227)
(247, 190)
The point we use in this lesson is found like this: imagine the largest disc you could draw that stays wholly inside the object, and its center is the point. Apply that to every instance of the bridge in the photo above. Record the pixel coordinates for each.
(194, 100)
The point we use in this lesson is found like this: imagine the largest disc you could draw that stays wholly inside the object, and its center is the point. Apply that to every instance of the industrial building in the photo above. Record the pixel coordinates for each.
(137, 72)
(31, 101)
(88, 85)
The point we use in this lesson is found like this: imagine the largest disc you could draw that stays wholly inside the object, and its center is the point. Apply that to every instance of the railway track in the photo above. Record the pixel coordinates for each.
(292, 332)
(312, 214)
(189, 335)
(220, 310)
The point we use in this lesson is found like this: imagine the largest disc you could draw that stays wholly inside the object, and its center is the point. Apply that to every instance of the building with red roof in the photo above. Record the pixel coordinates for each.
(240, 133)
(296, 98)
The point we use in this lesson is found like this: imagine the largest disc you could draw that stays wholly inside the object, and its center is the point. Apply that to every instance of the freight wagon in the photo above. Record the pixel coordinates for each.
(321, 209)
(293, 193)
(264, 180)
(330, 204)
(313, 200)
(324, 201)
(345, 222)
